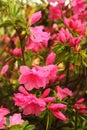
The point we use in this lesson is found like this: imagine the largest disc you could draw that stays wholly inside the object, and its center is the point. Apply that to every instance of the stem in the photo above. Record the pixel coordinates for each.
(21, 43)
(22, 49)
(48, 120)
(76, 119)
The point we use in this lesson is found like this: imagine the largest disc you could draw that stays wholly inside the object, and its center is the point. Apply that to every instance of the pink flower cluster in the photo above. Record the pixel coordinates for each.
(33, 105)
(80, 107)
(3, 113)
(13, 120)
(38, 37)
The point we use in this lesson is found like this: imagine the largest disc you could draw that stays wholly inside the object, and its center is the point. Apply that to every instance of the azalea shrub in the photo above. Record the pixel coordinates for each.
(43, 65)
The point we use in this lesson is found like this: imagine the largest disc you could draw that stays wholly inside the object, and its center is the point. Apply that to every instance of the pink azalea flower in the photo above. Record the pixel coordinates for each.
(54, 12)
(61, 77)
(3, 113)
(30, 103)
(37, 77)
(34, 106)
(31, 78)
(15, 119)
(45, 96)
(38, 35)
(45, 93)
(2, 121)
(50, 72)
(63, 93)
(78, 6)
(35, 17)
(75, 42)
(38, 39)
(16, 52)
(81, 100)
(36, 46)
(80, 107)
(50, 58)
(56, 110)
(4, 69)
(64, 35)
(76, 25)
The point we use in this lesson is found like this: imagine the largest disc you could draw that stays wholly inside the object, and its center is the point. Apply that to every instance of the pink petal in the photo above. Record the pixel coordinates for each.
(59, 115)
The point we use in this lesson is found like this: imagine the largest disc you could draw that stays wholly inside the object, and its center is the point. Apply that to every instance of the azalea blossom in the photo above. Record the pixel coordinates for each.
(50, 58)
(38, 35)
(47, 98)
(63, 93)
(15, 119)
(56, 110)
(4, 69)
(78, 6)
(38, 39)
(38, 76)
(31, 78)
(64, 35)
(75, 24)
(35, 17)
(75, 42)
(80, 106)
(3, 113)
(49, 71)
(29, 102)
(16, 52)
(54, 12)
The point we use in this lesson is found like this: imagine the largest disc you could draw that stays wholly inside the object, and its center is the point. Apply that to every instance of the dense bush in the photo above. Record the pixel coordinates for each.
(43, 65)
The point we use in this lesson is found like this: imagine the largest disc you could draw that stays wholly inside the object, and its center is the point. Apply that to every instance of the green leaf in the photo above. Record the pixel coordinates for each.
(6, 23)
(19, 127)
(29, 127)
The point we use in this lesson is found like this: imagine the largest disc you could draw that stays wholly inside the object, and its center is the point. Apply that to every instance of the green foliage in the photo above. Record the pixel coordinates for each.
(24, 126)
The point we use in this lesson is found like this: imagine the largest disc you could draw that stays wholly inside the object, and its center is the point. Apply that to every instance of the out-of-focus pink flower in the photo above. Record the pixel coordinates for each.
(3, 113)
(81, 100)
(30, 103)
(56, 110)
(36, 46)
(78, 6)
(38, 35)
(4, 69)
(63, 93)
(2, 121)
(50, 58)
(80, 107)
(31, 78)
(38, 39)
(76, 25)
(75, 42)
(61, 77)
(16, 52)
(15, 39)
(35, 17)
(64, 35)
(71, 66)
(15, 119)
(54, 12)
